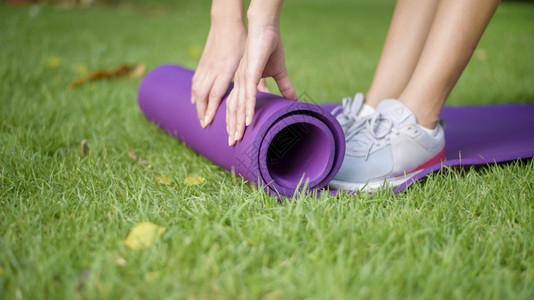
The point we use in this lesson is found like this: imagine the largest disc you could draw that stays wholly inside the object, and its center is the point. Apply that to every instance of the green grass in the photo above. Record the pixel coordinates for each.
(63, 218)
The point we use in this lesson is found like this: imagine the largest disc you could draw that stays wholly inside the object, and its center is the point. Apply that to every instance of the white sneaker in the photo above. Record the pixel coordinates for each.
(388, 148)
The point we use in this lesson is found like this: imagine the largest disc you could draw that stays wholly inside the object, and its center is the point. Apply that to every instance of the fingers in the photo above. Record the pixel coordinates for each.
(240, 111)
(262, 86)
(246, 105)
(251, 90)
(230, 116)
(200, 89)
(207, 94)
(240, 115)
(263, 56)
(219, 61)
(241, 103)
(284, 85)
(217, 93)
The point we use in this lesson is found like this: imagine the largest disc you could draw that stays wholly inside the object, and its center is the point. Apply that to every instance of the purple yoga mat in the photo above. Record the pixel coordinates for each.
(288, 144)
(289, 141)
(477, 135)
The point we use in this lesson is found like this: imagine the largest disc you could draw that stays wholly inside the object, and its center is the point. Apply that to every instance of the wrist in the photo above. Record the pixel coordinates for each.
(227, 13)
(264, 13)
(228, 22)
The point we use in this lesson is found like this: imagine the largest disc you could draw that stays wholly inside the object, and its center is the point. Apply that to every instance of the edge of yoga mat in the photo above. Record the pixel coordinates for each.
(286, 140)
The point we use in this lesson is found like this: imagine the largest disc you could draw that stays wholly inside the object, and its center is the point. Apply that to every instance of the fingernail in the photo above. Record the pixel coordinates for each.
(203, 124)
(247, 121)
(229, 141)
(206, 121)
(236, 136)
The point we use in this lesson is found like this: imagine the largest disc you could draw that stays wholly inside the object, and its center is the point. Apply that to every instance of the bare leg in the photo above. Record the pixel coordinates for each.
(455, 33)
(405, 40)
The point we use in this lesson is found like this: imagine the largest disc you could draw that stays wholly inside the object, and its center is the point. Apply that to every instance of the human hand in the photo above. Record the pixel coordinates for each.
(220, 59)
(263, 57)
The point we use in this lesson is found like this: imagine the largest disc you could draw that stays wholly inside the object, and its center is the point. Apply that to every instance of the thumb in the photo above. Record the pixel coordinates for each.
(262, 86)
(285, 86)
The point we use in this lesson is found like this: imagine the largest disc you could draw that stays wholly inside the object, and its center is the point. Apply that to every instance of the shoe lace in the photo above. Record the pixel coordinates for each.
(372, 131)
(350, 108)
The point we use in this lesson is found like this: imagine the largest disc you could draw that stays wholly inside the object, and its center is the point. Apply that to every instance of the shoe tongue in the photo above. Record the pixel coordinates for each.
(396, 111)
(356, 104)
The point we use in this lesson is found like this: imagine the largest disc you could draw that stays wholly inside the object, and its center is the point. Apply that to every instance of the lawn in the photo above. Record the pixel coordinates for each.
(64, 216)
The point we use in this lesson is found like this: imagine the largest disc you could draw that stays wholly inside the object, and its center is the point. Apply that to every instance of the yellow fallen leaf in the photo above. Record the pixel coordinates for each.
(53, 61)
(163, 180)
(194, 51)
(194, 180)
(143, 235)
(1, 271)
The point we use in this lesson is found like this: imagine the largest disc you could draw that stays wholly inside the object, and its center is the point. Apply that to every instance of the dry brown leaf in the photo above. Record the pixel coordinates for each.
(84, 148)
(136, 158)
(135, 71)
(132, 156)
(121, 262)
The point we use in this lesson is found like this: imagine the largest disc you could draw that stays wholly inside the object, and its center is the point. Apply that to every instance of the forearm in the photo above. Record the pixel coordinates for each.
(264, 12)
(227, 12)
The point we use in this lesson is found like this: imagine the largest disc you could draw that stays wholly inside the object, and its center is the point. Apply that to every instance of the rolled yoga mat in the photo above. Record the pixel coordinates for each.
(290, 139)
(289, 144)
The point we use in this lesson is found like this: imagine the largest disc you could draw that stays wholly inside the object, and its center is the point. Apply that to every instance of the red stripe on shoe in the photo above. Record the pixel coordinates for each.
(436, 159)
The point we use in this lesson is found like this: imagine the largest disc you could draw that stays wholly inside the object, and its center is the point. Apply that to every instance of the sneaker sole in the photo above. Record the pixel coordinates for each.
(372, 185)
(391, 182)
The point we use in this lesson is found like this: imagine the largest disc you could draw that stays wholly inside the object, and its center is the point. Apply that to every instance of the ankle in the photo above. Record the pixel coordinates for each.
(426, 122)
(371, 100)
(427, 115)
